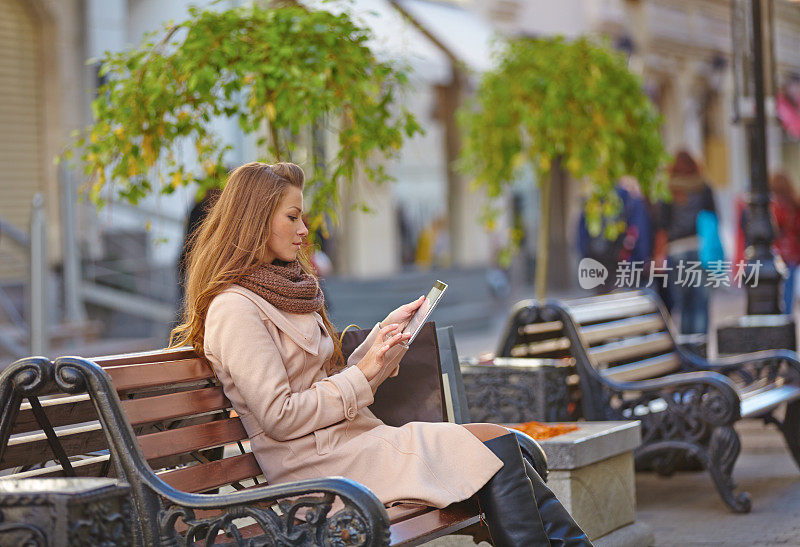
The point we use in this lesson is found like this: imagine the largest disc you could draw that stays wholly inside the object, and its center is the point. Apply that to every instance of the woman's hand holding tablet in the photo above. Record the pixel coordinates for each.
(424, 311)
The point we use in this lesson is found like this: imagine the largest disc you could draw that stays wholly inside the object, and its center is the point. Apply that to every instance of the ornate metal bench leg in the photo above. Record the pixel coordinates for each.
(791, 429)
(723, 451)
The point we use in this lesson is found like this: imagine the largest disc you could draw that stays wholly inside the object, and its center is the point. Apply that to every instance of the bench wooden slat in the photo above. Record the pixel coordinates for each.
(630, 348)
(175, 405)
(644, 369)
(538, 328)
(128, 377)
(86, 467)
(405, 511)
(78, 440)
(630, 326)
(768, 400)
(606, 311)
(433, 524)
(60, 411)
(191, 438)
(205, 476)
(539, 348)
(78, 408)
(175, 354)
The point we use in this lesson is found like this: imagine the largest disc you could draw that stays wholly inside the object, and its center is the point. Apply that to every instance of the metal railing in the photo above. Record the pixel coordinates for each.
(34, 245)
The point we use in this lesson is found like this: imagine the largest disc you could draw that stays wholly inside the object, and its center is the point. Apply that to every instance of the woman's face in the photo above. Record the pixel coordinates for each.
(287, 229)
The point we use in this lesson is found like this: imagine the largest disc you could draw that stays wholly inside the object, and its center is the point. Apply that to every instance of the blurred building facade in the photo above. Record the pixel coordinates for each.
(41, 100)
(681, 48)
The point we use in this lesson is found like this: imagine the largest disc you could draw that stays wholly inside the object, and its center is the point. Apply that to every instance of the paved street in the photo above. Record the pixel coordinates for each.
(686, 510)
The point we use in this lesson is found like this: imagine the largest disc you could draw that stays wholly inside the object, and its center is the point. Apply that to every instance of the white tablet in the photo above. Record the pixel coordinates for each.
(424, 311)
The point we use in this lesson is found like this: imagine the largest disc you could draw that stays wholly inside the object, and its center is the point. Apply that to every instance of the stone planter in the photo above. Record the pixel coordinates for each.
(65, 511)
(514, 390)
(591, 472)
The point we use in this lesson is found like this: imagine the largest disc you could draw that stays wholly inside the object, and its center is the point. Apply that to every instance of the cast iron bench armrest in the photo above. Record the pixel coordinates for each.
(733, 363)
(364, 519)
(720, 404)
(680, 379)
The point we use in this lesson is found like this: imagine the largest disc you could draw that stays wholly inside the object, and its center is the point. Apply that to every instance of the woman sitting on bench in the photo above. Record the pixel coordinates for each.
(255, 310)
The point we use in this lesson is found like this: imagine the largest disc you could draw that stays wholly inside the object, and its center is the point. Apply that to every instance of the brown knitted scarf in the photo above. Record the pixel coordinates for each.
(287, 287)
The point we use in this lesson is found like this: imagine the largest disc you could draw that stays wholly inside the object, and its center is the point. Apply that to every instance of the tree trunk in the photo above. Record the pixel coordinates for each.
(543, 236)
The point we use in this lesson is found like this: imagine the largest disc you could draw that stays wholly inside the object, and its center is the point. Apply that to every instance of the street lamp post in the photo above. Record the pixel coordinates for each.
(749, 36)
(764, 327)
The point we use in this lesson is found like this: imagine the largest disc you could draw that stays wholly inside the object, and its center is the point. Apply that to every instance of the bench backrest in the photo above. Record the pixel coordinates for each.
(625, 335)
(175, 406)
(619, 337)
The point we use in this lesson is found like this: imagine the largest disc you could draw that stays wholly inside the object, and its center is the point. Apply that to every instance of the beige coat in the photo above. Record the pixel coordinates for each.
(305, 424)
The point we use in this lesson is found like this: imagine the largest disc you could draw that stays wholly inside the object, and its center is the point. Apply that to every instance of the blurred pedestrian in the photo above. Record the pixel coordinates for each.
(633, 244)
(678, 242)
(786, 243)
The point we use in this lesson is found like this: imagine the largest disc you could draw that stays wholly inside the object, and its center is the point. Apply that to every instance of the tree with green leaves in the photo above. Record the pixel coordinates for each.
(279, 71)
(573, 104)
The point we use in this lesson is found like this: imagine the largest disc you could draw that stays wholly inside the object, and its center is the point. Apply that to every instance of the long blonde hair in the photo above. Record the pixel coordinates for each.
(231, 240)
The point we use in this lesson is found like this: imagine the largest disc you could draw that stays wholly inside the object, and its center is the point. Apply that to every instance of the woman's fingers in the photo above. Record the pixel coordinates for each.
(414, 306)
(391, 342)
(385, 331)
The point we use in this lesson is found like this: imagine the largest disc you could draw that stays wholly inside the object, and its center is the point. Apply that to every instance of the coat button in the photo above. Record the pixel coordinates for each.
(351, 413)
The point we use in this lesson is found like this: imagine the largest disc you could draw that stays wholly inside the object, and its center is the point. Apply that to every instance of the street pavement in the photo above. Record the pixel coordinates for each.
(685, 509)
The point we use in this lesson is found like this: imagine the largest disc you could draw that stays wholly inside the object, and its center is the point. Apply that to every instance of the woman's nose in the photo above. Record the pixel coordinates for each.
(303, 231)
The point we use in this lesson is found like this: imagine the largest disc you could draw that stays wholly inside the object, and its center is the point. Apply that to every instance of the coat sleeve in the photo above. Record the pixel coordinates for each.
(237, 336)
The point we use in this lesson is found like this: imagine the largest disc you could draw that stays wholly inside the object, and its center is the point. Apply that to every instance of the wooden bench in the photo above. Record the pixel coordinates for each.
(624, 349)
(160, 421)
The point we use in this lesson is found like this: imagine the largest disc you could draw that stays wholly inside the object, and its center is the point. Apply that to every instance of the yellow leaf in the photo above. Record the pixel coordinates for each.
(177, 178)
(119, 132)
(544, 163)
(517, 160)
(147, 150)
(573, 164)
(94, 138)
(271, 112)
(97, 185)
(148, 225)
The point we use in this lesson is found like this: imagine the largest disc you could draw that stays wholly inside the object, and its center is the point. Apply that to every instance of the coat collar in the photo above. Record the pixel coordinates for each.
(304, 332)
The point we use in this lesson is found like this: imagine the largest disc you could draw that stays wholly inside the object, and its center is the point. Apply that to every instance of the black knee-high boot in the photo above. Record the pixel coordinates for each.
(561, 528)
(508, 500)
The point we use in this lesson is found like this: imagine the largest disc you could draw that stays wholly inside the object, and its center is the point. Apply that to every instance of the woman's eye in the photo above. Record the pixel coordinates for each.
(292, 218)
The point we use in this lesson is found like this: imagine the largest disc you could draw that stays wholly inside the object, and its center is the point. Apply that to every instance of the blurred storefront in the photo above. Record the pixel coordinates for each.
(681, 48)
